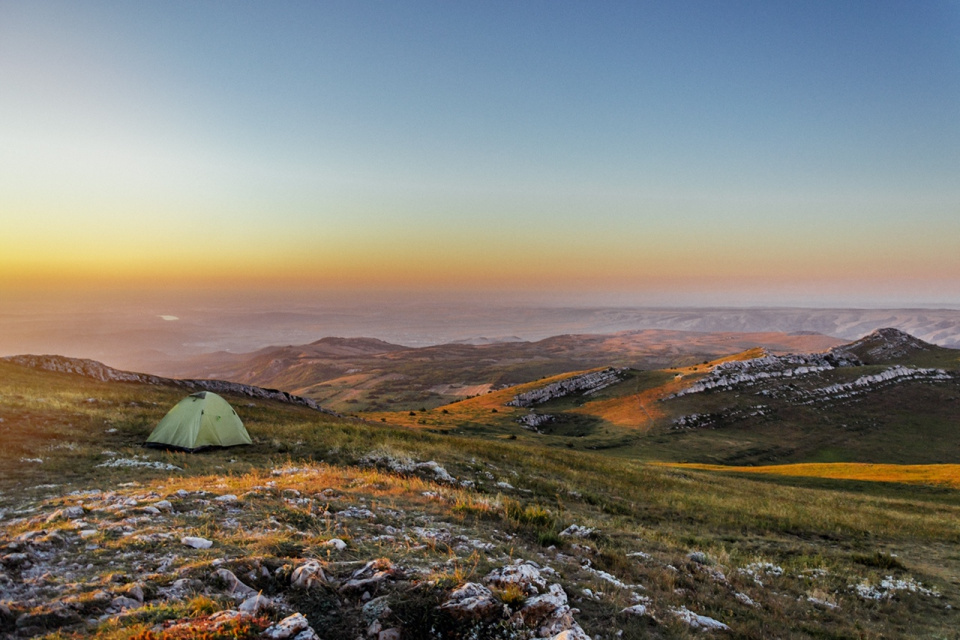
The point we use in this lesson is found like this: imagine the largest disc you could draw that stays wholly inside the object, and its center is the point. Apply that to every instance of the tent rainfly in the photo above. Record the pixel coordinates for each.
(199, 421)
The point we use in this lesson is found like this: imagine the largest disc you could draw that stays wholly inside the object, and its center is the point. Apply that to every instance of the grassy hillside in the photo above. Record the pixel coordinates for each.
(93, 547)
(361, 374)
(837, 414)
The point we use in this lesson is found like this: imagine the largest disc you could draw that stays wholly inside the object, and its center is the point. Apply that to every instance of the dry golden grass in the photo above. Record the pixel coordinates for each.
(928, 474)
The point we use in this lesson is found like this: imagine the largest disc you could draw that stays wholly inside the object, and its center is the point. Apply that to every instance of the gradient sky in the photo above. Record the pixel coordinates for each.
(719, 152)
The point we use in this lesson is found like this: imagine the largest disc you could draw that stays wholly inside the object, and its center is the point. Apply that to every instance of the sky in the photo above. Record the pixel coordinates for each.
(696, 152)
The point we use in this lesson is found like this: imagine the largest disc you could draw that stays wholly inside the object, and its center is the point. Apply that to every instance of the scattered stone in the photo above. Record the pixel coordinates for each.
(576, 531)
(745, 599)
(697, 621)
(255, 604)
(549, 613)
(136, 462)
(196, 543)
(525, 575)
(233, 585)
(15, 559)
(376, 609)
(472, 601)
(889, 586)
(356, 512)
(135, 592)
(336, 543)
(576, 633)
(67, 513)
(288, 627)
(367, 580)
(637, 610)
(308, 575)
(181, 588)
(123, 602)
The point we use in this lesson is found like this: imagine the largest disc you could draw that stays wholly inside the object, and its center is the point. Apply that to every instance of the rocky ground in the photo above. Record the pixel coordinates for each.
(317, 551)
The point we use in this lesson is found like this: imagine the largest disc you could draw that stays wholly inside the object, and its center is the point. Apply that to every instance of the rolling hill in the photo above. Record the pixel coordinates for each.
(343, 528)
(887, 398)
(361, 374)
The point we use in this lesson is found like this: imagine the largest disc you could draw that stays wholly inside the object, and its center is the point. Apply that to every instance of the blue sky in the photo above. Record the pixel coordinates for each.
(738, 151)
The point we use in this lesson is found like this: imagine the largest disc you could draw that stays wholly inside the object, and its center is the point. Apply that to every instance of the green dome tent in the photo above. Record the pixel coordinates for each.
(199, 421)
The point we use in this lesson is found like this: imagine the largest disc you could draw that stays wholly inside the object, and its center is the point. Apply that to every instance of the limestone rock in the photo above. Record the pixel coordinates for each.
(526, 575)
(196, 543)
(369, 578)
(549, 613)
(308, 575)
(288, 627)
(123, 602)
(336, 543)
(576, 633)
(376, 609)
(697, 621)
(255, 604)
(233, 585)
(576, 531)
(472, 601)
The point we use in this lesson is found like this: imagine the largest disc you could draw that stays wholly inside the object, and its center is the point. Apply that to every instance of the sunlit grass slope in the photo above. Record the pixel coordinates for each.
(947, 475)
(692, 538)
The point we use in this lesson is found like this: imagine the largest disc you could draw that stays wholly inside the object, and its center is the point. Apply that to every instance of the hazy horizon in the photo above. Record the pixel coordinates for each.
(156, 332)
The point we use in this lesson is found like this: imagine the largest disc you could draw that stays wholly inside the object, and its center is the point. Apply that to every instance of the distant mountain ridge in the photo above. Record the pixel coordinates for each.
(356, 374)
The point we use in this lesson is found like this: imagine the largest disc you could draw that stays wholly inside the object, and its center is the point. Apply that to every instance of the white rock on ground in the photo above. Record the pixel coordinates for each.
(637, 610)
(526, 575)
(288, 627)
(472, 601)
(697, 621)
(196, 543)
(308, 575)
(576, 531)
(255, 604)
(336, 543)
(233, 585)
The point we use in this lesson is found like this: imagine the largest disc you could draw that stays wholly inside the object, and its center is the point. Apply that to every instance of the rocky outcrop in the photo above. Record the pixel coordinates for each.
(533, 421)
(872, 382)
(747, 373)
(586, 384)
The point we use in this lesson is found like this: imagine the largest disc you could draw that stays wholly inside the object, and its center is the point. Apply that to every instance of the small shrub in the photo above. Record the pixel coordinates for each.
(879, 560)
(533, 515)
(549, 538)
(511, 595)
